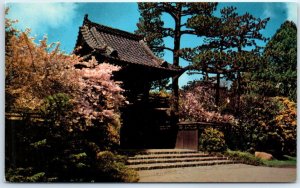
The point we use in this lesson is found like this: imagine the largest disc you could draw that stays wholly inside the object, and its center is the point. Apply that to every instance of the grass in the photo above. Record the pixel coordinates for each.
(248, 158)
(287, 162)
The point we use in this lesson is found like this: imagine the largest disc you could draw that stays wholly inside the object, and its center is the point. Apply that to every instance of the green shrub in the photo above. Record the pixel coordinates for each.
(265, 124)
(24, 175)
(56, 109)
(57, 150)
(112, 168)
(243, 157)
(212, 140)
(248, 158)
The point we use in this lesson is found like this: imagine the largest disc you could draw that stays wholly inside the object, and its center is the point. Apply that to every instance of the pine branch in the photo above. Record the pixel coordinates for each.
(190, 32)
(162, 48)
(166, 7)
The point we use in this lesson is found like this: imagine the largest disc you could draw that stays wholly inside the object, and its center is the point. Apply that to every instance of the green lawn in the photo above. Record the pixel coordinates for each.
(249, 158)
(288, 162)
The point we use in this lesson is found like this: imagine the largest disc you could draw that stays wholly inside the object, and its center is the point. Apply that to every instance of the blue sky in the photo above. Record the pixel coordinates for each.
(61, 21)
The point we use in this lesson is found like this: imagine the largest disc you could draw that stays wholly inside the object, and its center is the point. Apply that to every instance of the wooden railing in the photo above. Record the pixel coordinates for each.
(22, 114)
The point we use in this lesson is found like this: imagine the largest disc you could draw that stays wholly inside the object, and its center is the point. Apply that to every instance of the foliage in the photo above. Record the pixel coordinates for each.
(248, 158)
(224, 50)
(212, 140)
(56, 109)
(98, 97)
(63, 153)
(22, 175)
(286, 124)
(114, 166)
(151, 25)
(9, 32)
(79, 115)
(248, 133)
(76, 160)
(230, 49)
(32, 72)
(97, 103)
(161, 93)
(35, 72)
(161, 85)
(277, 74)
(243, 157)
(265, 124)
(197, 104)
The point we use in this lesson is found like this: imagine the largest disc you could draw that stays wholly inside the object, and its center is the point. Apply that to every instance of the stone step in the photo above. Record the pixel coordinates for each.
(172, 160)
(179, 164)
(167, 156)
(159, 151)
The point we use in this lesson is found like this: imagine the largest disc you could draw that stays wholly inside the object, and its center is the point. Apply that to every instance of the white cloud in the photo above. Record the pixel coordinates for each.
(268, 11)
(40, 17)
(292, 12)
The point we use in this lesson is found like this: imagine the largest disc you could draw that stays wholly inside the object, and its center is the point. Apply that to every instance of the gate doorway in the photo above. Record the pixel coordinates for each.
(187, 136)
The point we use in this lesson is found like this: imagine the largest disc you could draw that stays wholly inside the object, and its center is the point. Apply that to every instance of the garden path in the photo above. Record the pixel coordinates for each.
(220, 173)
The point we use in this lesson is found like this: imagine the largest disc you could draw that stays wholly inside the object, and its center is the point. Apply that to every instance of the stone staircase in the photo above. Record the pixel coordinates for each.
(173, 158)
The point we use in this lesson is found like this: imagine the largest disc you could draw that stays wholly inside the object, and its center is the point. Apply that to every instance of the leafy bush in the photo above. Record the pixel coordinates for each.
(265, 124)
(80, 115)
(286, 124)
(35, 71)
(106, 167)
(56, 109)
(53, 150)
(243, 157)
(160, 93)
(248, 158)
(24, 175)
(212, 140)
(112, 167)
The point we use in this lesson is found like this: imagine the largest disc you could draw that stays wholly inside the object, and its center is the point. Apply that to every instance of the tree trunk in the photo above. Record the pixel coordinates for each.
(175, 87)
(218, 90)
(237, 109)
(238, 92)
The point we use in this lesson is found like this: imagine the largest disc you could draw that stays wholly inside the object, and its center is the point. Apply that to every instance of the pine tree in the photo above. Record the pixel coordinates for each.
(226, 51)
(152, 26)
(214, 56)
(280, 69)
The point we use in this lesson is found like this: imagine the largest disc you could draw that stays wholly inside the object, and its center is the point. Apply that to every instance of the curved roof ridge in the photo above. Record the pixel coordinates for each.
(111, 30)
(150, 53)
(118, 45)
(88, 37)
(101, 43)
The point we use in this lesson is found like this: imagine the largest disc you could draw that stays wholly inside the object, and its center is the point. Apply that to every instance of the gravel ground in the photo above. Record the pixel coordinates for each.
(220, 173)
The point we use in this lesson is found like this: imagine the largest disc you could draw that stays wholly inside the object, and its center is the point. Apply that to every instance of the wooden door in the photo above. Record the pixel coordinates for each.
(187, 139)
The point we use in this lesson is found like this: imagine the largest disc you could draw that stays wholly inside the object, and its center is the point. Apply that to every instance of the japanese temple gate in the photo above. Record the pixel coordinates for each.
(146, 122)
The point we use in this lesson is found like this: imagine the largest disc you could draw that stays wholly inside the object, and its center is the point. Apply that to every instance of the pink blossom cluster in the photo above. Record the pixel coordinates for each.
(197, 104)
(98, 96)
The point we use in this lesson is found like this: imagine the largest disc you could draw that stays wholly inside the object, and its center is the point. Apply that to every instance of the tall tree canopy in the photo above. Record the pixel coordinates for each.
(152, 26)
(278, 75)
(230, 41)
(231, 48)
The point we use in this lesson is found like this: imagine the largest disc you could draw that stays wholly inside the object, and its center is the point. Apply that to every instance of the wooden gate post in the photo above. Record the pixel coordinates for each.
(187, 136)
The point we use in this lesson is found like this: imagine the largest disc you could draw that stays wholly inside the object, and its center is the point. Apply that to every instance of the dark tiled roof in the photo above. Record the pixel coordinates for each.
(120, 45)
